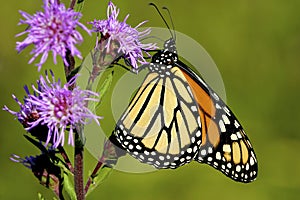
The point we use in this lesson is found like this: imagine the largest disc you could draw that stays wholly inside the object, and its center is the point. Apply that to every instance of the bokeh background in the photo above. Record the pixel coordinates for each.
(256, 46)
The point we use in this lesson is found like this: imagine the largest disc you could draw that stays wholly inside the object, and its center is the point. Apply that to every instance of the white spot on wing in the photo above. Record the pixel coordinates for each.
(236, 124)
(194, 108)
(216, 96)
(229, 165)
(247, 166)
(226, 110)
(233, 137)
(222, 126)
(193, 139)
(195, 149)
(138, 147)
(218, 156)
(128, 137)
(203, 152)
(238, 168)
(189, 89)
(252, 161)
(239, 135)
(225, 119)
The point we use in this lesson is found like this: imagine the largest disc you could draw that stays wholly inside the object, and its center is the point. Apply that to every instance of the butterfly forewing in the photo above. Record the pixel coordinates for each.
(161, 126)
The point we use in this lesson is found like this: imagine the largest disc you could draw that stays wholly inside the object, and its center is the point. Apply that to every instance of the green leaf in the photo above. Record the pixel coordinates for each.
(74, 72)
(68, 190)
(40, 196)
(105, 83)
(101, 176)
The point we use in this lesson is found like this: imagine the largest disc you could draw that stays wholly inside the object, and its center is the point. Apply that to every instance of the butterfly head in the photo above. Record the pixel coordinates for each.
(170, 46)
(164, 59)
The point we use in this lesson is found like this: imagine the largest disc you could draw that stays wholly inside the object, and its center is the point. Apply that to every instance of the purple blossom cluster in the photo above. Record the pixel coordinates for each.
(56, 107)
(53, 107)
(53, 30)
(53, 112)
(127, 38)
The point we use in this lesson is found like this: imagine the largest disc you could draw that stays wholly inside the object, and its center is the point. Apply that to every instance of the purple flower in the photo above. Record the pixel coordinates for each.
(52, 30)
(28, 161)
(55, 107)
(27, 113)
(127, 38)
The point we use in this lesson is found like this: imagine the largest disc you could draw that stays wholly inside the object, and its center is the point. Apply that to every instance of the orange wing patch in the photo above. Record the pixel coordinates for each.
(201, 96)
(210, 130)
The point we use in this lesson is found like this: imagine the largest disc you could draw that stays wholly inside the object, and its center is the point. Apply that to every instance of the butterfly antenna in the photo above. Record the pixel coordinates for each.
(170, 16)
(152, 4)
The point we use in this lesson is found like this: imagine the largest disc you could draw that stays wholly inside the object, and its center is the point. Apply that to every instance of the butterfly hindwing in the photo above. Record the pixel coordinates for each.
(225, 146)
(161, 126)
(232, 154)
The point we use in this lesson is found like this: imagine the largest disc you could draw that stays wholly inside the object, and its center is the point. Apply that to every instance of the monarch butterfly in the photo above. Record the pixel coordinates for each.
(175, 117)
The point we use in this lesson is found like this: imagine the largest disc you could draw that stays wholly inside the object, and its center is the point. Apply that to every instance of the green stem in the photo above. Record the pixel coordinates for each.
(109, 159)
(93, 175)
(102, 59)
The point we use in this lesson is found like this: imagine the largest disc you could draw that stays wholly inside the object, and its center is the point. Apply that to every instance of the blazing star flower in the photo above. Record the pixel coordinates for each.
(52, 30)
(55, 107)
(127, 38)
(27, 113)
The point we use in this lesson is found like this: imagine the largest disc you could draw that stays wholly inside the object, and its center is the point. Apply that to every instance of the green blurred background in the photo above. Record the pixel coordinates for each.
(256, 46)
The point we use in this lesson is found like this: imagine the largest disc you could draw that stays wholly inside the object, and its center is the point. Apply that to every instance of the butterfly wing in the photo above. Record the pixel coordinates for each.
(225, 146)
(161, 125)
